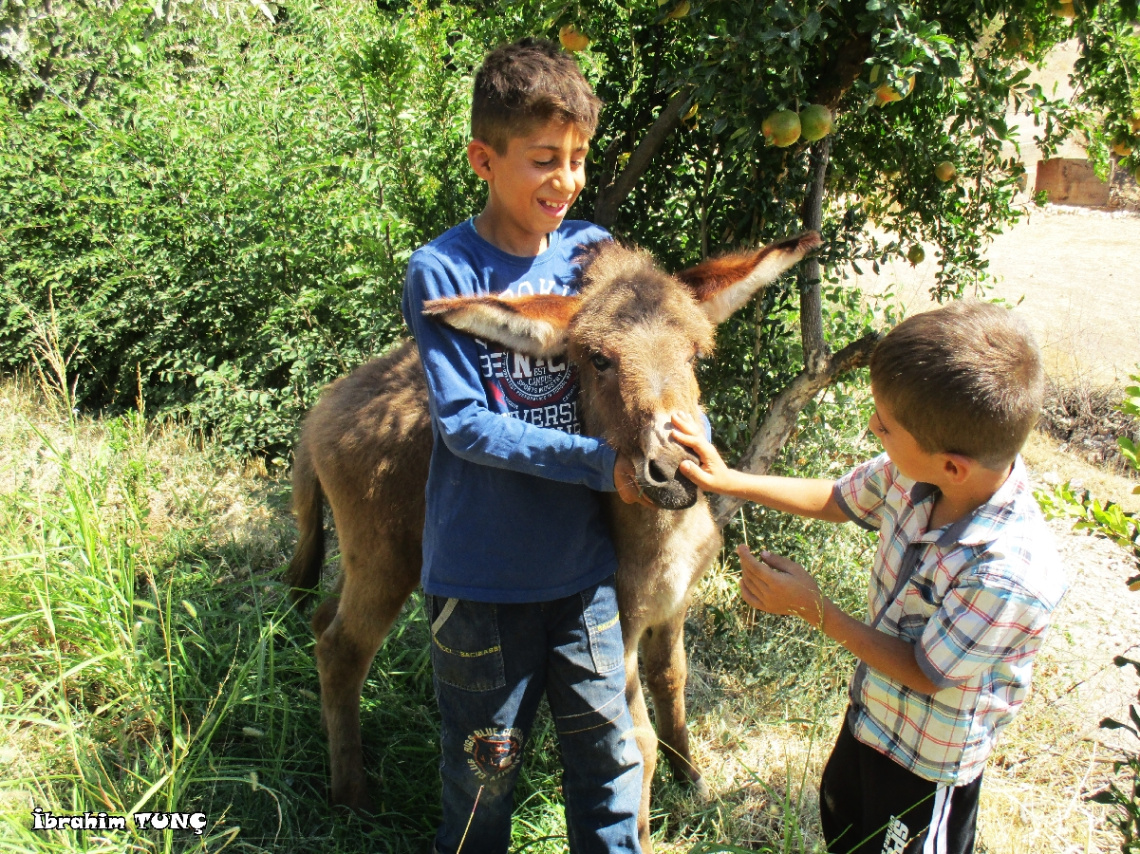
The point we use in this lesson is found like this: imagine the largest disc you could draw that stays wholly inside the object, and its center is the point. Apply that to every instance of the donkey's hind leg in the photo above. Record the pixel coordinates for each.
(375, 588)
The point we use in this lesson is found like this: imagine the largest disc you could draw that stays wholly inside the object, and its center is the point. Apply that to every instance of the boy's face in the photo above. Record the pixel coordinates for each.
(531, 185)
(902, 447)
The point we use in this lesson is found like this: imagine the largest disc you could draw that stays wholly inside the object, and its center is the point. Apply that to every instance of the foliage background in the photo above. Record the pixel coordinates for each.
(214, 202)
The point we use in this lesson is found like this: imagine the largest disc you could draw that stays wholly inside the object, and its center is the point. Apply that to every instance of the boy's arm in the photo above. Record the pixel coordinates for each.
(803, 496)
(471, 431)
(777, 585)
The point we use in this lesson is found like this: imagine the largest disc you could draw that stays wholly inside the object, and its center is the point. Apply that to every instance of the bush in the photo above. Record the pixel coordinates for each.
(219, 207)
(225, 226)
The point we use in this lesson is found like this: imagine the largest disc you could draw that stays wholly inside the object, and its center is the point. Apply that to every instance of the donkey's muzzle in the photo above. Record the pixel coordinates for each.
(679, 493)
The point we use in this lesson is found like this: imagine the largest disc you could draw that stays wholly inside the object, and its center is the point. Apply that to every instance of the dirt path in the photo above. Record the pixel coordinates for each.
(1072, 273)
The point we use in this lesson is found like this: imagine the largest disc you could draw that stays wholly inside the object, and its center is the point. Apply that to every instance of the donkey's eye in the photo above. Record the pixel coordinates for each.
(600, 362)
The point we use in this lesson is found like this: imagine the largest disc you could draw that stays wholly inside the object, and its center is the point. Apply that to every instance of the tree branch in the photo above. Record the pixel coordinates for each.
(610, 197)
(44, 73)
(783, 412)
(89, 89)
(811, 303)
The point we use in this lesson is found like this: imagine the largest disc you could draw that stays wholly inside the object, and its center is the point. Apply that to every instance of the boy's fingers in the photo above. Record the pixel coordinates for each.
(747, 557)
(783, 564)
(683, 436)
(748, 595)
(625, 479)
(687, 438)
(753, 587)
(685, 428)
(694, 473)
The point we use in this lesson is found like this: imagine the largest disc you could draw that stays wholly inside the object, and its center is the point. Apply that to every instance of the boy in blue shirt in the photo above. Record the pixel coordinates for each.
(962, 588)
(518, 563)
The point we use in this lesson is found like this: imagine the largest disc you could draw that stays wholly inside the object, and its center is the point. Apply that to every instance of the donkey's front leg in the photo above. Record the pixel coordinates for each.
(646, 738)
(666, 672)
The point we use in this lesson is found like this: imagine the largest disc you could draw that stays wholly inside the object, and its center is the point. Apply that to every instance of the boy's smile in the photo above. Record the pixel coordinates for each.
(531, 185)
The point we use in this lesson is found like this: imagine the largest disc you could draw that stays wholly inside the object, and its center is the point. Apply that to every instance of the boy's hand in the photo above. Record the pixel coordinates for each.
(712, 474)
(625, 479)
(776, 585)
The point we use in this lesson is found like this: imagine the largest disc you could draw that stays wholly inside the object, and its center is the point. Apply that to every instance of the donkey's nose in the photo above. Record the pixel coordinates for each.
(656, 474)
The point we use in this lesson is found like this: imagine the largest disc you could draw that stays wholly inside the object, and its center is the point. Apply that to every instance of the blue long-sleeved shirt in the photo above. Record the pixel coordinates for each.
(513, 511)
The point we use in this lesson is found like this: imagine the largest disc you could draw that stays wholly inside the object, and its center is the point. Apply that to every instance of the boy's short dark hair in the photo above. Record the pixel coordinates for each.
(965, 379)
(526, 84)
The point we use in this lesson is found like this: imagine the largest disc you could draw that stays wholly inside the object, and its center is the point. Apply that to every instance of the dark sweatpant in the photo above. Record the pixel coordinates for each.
(869, 804)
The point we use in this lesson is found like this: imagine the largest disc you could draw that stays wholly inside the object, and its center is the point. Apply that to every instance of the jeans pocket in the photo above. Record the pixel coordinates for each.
(599, 607)
(466, 652)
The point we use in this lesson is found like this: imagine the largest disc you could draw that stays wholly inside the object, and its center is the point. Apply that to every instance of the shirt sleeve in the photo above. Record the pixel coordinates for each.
(457, 400)
(982, 622)
(862, 491)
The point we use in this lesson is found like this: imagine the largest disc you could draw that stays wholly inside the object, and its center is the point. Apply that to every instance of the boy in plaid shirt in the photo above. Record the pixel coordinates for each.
(962, 587)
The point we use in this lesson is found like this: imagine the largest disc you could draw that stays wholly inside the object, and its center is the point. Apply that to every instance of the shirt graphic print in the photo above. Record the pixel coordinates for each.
(542, 392)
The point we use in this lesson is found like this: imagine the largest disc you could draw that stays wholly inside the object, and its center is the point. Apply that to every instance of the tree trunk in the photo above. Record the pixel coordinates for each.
(784, 411)
(611, 196)
(811, 303)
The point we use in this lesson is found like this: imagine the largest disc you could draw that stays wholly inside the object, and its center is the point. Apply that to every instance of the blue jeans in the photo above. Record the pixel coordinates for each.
(492, 664)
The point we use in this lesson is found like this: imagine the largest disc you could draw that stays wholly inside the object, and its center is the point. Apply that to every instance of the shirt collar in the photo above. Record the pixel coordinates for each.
(984, 524)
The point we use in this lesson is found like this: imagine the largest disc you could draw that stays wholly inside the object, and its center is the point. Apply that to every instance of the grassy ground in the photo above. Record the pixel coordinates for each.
(148, 662)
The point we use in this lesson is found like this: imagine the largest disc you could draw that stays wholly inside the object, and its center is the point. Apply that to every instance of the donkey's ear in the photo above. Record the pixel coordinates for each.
(534, 324)
(722, 285)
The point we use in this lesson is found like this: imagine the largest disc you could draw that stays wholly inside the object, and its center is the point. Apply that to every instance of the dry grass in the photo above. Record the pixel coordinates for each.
(1055, 464)
(1055, 754)
(187, 479)
(1085, 420)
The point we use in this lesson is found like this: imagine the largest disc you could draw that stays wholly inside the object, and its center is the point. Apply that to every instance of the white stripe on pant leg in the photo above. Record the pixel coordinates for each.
(936, 835)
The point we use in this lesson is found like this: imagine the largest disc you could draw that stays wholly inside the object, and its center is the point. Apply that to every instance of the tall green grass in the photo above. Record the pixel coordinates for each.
(148, 659)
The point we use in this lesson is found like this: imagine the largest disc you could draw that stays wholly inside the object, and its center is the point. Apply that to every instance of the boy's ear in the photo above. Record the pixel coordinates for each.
(722, 285)
(958, 467)
(479, 156)
(534, 324)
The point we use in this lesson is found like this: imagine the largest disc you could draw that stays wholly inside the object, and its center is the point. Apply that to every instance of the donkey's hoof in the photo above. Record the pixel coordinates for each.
(701, 790)
(690, 776)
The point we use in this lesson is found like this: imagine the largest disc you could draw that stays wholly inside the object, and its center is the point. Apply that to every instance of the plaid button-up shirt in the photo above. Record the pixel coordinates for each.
(974, 597)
